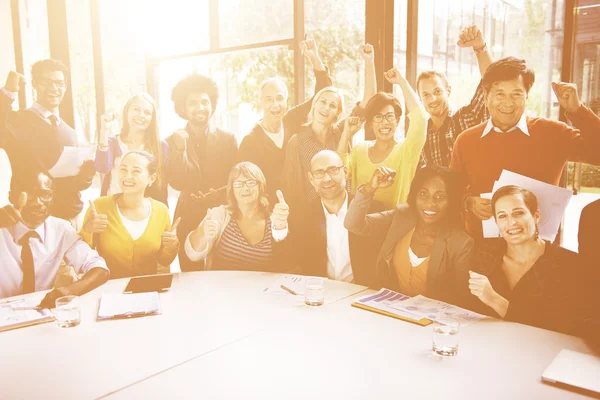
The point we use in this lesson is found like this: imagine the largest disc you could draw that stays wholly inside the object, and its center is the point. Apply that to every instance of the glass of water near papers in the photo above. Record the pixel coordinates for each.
(68, 312)
(314, 292)
(445, 337)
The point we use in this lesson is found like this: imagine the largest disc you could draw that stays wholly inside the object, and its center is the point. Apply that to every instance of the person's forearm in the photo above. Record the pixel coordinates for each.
(370, 83)
(316, 62)
(91, 280)
(500, 305)
(343, 147)
(167, 255)
(410, 97)
(484, 60)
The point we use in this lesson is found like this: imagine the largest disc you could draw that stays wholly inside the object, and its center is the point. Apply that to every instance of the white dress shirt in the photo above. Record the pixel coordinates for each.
(56, 240)
(338, 248)
(522, 125)
(45, 113)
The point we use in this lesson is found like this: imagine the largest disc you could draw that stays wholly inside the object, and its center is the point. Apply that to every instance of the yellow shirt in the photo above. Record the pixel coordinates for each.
(124, 256)
(403, 159)
(412, 280)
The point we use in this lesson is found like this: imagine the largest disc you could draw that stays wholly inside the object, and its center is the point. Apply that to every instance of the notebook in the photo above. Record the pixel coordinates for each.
(574, 369)
(120, 305)
(19, 314)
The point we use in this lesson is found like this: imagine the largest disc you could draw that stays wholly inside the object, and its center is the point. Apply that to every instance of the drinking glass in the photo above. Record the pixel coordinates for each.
(68, 312)
(314, 292)
(445, 337)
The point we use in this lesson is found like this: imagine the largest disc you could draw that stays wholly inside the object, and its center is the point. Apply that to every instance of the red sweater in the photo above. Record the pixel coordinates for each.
(541, 156)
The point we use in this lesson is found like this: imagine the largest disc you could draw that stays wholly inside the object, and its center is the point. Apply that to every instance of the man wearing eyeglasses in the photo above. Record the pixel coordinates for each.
(323, 246)
(34, 138)
(35, 243)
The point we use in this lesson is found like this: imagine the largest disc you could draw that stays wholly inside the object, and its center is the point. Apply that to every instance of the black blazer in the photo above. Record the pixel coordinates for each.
(308, 241)
(205, 164)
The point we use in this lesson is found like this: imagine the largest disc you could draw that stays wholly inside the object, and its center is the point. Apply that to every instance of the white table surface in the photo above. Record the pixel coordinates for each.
(220, 337)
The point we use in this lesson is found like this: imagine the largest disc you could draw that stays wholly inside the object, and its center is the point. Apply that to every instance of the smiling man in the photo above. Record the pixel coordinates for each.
(534, 147)
(34, 138)
(201, 156)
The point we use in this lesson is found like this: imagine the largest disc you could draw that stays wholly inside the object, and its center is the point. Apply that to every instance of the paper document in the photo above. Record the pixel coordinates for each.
(490, 229)
(119, 305)
(70, 161)
(289, 285)
(20, 313)
(389, 301)
(435, 310)
(552, 203)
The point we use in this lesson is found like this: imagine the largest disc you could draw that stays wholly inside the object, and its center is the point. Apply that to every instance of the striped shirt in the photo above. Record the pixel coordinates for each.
(439, 143)
(235, 253)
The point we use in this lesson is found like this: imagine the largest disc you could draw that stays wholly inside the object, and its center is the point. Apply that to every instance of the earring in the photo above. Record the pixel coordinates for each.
(536, 235)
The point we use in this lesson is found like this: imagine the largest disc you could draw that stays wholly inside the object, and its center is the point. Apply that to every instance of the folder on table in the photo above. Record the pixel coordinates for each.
(387, 302)
(121, 306)
(19, 314)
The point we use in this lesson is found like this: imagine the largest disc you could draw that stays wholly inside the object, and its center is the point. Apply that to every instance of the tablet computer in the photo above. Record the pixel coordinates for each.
(149, 283)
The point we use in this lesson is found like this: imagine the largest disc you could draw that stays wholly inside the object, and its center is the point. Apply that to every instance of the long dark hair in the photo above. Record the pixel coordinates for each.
(152, 141)
(454, 188)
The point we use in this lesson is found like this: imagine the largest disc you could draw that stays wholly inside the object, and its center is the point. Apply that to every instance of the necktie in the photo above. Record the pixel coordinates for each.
(27, 263)
(53, 119)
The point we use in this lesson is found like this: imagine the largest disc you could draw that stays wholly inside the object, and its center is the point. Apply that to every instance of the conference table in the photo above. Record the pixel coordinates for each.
(220, 336)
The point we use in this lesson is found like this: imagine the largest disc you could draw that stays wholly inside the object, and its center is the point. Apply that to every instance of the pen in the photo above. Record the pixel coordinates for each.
(287, 289)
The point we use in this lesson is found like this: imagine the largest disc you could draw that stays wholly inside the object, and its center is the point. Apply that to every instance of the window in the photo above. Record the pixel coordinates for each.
(243, 22)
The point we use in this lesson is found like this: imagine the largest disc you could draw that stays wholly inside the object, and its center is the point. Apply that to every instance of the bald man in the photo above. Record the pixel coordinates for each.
(322, 245)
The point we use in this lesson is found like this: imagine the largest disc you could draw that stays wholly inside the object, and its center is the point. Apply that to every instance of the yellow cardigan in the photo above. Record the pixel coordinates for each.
(124, 256)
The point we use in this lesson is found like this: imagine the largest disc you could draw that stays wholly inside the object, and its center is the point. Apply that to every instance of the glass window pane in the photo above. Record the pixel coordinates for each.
(238, 76)
(244, 22)
(7, 63)
(34, 36)
(82, 71)
(338, 26)
(123, 56)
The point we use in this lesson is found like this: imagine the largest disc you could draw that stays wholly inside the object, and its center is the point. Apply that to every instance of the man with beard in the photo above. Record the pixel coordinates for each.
(201, 157)
(34, 138)
(446, 124)
(35, 243)
(322, 245)
(265, 145)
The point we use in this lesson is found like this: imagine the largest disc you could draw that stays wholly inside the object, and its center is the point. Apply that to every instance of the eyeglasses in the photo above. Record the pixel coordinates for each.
(44, 196)
(331, 171)
(391, 117)
(49, 82)
(249, 184)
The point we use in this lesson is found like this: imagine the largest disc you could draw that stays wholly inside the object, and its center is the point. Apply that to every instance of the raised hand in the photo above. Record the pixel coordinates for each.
(169, 240)
(14, 81)
(367, 52)
(480, 286)
(471, 36)
(309, 48)
(106, 125)
(211, 227)
(180, 139)
(280, 214)
(393, 76)
(567, 96)
(352, 125)
(382, 177)
(10, 215)
(480, 207)
(96, 223)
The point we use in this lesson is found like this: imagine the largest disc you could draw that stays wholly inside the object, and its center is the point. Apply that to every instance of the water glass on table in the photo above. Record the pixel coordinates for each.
(68, 312)
(314, 292)
(445, 337)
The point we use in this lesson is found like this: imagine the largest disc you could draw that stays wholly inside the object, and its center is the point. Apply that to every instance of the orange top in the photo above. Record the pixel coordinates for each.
(412, 280)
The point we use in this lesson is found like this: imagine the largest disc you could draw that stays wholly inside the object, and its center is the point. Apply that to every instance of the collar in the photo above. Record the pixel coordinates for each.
(208, 130)
(44, 112)
(521, 125)
(342, 211)
(20, 229)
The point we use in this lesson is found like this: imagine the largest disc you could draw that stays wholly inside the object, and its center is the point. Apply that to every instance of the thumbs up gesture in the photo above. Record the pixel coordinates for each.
(280, 214)
(169, 240)
(95, 223)
(10, 215)
(211, 227)
(567, 96)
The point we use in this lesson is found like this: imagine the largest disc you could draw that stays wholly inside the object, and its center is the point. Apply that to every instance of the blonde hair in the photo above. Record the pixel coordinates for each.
(330, 89)
(250, 171)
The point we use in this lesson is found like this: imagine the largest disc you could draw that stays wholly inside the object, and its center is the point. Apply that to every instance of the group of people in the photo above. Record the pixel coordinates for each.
(300, 196)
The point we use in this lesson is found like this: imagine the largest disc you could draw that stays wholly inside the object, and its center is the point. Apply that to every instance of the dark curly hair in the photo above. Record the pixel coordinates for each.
(193, 84)
(454, 189)
(507, 69)
(39, 67)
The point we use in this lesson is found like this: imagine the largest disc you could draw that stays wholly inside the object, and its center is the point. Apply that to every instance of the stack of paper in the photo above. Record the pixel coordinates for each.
(19, 314)
(118, 305)
(289, 285)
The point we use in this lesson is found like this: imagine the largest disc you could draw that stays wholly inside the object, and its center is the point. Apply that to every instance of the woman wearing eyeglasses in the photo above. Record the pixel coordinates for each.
(241, 235)
(425, 250)
(382, 116)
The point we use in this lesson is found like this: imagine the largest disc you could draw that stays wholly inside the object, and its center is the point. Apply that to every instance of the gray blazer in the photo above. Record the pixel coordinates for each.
(448, 272)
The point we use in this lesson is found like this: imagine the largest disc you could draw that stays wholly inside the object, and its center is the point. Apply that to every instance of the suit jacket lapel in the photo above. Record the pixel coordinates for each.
(404, 220)
(435, 259)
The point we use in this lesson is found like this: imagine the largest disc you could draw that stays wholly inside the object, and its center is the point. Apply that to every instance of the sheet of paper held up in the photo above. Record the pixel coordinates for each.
(115, 304)
(434, 310)
(552, 203)
(490, 229)
(70, 161)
